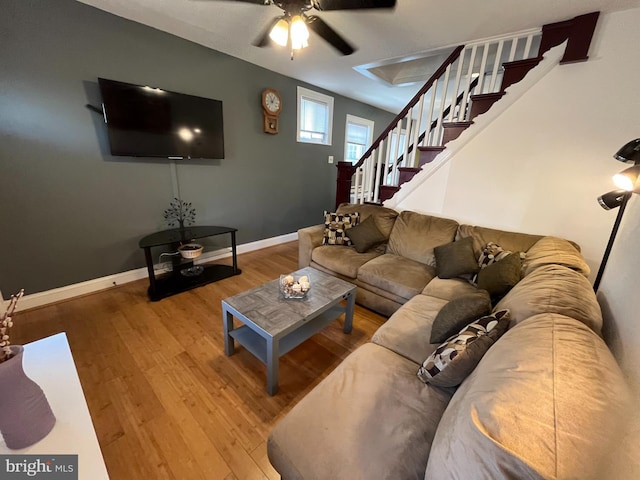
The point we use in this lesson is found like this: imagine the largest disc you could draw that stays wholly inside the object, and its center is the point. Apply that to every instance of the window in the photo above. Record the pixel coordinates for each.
(315, 117)
(358, 137)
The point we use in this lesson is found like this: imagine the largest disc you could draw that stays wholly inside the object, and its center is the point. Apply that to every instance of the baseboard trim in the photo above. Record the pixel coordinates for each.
(90, 286)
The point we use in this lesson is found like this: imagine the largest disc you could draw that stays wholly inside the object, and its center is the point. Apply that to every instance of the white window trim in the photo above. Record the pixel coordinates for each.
(358, 121)
(318, 97)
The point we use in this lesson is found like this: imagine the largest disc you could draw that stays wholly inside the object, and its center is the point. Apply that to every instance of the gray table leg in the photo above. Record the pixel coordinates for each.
(273, 346)
(348, 314)
(227, 324)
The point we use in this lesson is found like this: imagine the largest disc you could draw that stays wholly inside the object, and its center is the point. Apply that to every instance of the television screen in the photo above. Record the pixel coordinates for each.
(144, 121)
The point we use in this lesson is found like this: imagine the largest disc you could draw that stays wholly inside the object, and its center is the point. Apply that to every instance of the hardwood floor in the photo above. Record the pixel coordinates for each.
(166, 402)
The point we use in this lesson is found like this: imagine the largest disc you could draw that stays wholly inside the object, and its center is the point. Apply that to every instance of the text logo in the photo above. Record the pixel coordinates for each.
(39, 467)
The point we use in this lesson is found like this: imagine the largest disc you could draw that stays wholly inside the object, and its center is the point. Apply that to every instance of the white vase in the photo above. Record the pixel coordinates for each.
(25, 413)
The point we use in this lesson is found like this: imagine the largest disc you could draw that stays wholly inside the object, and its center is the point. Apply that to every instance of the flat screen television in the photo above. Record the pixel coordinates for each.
(144, 121)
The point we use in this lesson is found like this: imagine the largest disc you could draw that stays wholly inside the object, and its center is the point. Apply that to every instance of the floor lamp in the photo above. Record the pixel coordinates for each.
(627, 182)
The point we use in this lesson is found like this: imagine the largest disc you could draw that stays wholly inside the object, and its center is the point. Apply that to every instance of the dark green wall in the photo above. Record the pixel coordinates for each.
(70, 211)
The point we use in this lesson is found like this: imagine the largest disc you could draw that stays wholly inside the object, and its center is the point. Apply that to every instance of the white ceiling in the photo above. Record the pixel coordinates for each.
(412, 28)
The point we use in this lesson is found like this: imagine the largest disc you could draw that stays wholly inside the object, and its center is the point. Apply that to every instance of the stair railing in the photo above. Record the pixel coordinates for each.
(469, 70)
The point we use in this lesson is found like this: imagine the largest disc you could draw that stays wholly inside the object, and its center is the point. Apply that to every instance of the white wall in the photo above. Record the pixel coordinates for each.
(540, 166)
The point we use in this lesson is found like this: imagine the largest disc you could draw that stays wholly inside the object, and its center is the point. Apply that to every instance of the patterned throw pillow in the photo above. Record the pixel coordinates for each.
(456, 358)
(336, 225)
(491, 253)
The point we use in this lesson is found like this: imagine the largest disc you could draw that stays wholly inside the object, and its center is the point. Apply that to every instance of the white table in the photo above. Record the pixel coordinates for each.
(49, 363)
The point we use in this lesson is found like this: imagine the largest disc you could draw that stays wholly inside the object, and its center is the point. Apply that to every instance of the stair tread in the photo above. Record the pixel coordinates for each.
(432, 148)
(457, 124)
(487, 96)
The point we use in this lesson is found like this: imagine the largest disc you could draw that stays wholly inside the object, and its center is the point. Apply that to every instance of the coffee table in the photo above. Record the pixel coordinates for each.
(273, 326)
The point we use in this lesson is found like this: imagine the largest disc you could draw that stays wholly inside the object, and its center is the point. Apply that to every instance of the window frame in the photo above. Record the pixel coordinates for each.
(364, 122)
(305, 93)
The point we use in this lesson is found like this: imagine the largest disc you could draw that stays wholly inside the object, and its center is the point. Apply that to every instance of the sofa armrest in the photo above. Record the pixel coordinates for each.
(308, 239)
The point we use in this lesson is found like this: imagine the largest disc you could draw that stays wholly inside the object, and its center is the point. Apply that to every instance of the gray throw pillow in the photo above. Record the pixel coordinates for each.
(456, 258)
(500, 277)
(459, 312)
(366, 235)
(456, 358)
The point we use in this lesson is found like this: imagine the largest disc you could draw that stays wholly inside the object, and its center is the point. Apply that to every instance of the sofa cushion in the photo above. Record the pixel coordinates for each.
(383, 216)
(455, 259)
(458, 313)
(449, 288)
(558, 251)
(366, 235)
(501, 276)
(340, 259)
(408, 331)
(554, 289)
(511, 241)
(415, 235)
(456, 358)
(336, 226)
(370, 418)
(398, 275)
(544, 402)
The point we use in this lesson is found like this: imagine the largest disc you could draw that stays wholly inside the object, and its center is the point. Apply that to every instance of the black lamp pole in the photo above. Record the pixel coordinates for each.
(612, 238)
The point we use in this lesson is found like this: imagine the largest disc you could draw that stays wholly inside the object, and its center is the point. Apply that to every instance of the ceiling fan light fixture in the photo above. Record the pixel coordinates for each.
(299, 33)
(280, 32)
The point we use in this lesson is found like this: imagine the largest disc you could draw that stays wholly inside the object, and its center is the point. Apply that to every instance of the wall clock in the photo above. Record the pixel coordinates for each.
(271, 107)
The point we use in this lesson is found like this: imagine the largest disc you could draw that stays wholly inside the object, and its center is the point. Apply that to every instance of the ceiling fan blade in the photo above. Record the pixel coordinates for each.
(329, 34)
(263, 39)
(326, 5)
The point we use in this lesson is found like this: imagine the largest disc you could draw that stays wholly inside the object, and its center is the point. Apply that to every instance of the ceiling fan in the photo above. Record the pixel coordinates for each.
(292, 28)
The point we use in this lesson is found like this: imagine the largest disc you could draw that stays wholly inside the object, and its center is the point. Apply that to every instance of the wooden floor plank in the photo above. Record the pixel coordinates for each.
(165, 400)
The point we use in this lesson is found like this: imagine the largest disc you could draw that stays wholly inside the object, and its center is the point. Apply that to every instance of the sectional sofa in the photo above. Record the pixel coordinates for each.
(530, 391)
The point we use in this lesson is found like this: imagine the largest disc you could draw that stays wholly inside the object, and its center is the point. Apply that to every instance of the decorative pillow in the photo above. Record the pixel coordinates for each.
(500, 277)
(455, 259)
(491, 252)
(366, 235)
(456, 358)
(459, 312)
(335, 227)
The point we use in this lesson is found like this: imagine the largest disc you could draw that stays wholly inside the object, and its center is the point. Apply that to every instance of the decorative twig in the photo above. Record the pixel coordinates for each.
(180, 212)
(5, 326)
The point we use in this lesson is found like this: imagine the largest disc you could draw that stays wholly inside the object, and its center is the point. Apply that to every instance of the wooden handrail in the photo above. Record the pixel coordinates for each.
(438, 73)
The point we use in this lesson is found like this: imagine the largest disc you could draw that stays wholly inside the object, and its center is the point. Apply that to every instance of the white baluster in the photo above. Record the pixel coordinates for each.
(407, 138)
(370, 173)
(483, 68)
(387, 161)
(454, 96)
(396, 150)
(357, 186)
(416, 130)
(437, 135)
(527, 46)
(376, 185)
(465, 96)
(512, 53)
(432, 103)
(496, 66)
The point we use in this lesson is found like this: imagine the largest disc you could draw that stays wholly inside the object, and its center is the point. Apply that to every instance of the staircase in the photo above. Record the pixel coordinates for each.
(466, 85)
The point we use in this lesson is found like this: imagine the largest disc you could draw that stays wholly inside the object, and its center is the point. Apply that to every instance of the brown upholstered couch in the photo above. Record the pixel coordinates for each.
(545, 401)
